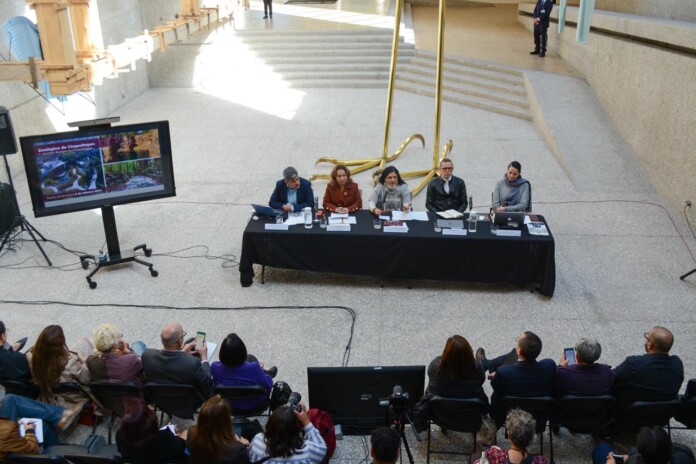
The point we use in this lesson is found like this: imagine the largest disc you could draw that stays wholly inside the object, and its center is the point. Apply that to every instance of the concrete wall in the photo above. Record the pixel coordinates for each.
(649, 92)
(682, 10)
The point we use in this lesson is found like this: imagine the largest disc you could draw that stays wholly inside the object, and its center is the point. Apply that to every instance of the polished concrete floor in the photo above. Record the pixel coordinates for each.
(619, 246)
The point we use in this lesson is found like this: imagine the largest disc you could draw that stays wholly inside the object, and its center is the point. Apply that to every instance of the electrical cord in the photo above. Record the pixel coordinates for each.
(350, 311)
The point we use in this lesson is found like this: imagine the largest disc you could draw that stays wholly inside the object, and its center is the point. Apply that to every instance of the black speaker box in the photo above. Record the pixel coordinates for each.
(8, 145)
(8, 212)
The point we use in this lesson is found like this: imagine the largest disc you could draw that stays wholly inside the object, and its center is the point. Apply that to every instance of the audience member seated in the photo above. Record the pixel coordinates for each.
(586, 377)
(53, 363)
(237, 368)
(512, 192)
(386, 444)
(176, 362)
(14, 407)
(520, 427)
(687, 416)
(454, 374)
(113, 361)
(390, 194)
(292, 193)
(653, 446)
(290, 438)
(342, 194)
(446, 191)
(139, 441)
(13, 364)
(654, 376)
(527, 377)
(212, 439)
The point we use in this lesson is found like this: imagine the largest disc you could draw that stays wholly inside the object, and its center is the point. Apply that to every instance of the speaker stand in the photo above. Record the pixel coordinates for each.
(21, 221)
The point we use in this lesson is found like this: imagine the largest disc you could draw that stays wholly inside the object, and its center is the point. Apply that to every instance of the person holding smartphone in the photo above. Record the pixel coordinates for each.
(653, 446)
(584, 376)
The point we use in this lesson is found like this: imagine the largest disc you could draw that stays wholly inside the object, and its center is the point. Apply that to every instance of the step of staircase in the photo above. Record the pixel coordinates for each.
(361, 58)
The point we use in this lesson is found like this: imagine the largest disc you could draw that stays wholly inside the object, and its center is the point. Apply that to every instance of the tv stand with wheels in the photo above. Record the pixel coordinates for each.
(114, 254)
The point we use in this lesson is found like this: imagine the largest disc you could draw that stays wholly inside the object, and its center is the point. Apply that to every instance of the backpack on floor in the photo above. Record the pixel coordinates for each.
(323, 423)
(280, 394)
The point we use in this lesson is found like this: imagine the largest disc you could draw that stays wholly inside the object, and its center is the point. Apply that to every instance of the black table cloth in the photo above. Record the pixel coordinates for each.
(421, 253)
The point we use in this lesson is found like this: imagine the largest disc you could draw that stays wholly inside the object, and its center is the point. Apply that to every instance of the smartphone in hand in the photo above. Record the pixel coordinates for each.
(569, 354)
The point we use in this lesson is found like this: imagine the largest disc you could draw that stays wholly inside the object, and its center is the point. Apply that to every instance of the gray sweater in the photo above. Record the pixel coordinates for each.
(503, 191)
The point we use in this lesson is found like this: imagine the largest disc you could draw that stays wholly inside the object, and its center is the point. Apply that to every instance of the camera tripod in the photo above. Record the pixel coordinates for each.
(398, 423)
(19, 220)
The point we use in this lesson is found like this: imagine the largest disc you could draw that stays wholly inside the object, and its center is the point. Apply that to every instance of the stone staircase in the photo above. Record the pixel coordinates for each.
(360, 58)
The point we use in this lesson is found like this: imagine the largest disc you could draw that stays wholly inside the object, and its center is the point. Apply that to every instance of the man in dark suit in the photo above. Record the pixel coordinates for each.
(585, 377)
(654, 376)
(176, 363)
(13, 364)
(446, 191)
(526, 377)
(292, 193)
(542, 12)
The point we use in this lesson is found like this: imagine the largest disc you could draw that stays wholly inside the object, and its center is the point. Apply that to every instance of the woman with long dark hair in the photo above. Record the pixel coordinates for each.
(391, 193)
(212, 439)
(454, 374)
(139, 440)
(342, 194)
(283, 442)
(512, 192)
(52, 363)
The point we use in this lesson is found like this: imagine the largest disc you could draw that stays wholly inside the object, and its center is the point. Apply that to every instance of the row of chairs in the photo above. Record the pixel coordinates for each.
(173, 399)
(585, 415)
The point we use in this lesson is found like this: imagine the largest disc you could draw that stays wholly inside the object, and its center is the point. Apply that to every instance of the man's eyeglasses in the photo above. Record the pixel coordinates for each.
(647, 337)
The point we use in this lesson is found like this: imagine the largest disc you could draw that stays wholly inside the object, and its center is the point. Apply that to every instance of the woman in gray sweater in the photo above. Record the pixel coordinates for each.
(512, 192)
(391, 193)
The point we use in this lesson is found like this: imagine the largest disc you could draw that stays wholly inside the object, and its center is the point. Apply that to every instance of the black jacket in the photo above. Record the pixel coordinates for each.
(437, 200)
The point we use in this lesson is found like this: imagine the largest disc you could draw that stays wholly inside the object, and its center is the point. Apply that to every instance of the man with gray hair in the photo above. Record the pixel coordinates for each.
(292, 193)
(585, 377)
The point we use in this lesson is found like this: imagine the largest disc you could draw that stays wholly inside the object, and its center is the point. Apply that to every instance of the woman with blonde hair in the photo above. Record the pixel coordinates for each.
(212, 439)
(52, 363)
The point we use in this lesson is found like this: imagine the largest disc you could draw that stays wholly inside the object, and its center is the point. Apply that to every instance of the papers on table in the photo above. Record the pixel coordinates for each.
(409, 216)
(283, 226)
(450, 214)
(453, 231)
(342, 219)
(38, 431)
(341, 215)
(385, 217)
(537, 228)
(294, 219)
(339, 227)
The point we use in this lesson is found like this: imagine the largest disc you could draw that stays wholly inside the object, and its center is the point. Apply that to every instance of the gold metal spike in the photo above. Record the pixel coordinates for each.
(363, 164)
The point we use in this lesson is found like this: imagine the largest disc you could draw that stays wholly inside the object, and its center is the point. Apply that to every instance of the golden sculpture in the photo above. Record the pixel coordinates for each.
(364, 164)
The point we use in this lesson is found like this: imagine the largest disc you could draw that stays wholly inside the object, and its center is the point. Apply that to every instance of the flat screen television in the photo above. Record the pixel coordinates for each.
(98, 166)
(351, 395)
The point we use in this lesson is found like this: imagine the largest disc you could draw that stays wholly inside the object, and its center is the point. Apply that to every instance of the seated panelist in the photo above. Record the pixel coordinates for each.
(446, 191)
(292, 193)
(342, 194)
(391, 193)
(512, 192)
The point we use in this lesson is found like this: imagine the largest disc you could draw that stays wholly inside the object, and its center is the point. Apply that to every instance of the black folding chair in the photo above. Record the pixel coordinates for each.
(586, 415)
(174, 399)
(540, 407)
(250, 392)
(456, 414)
(92, 459)
(649, 413)
(35, 459)
(17, 387)
(114, 396)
